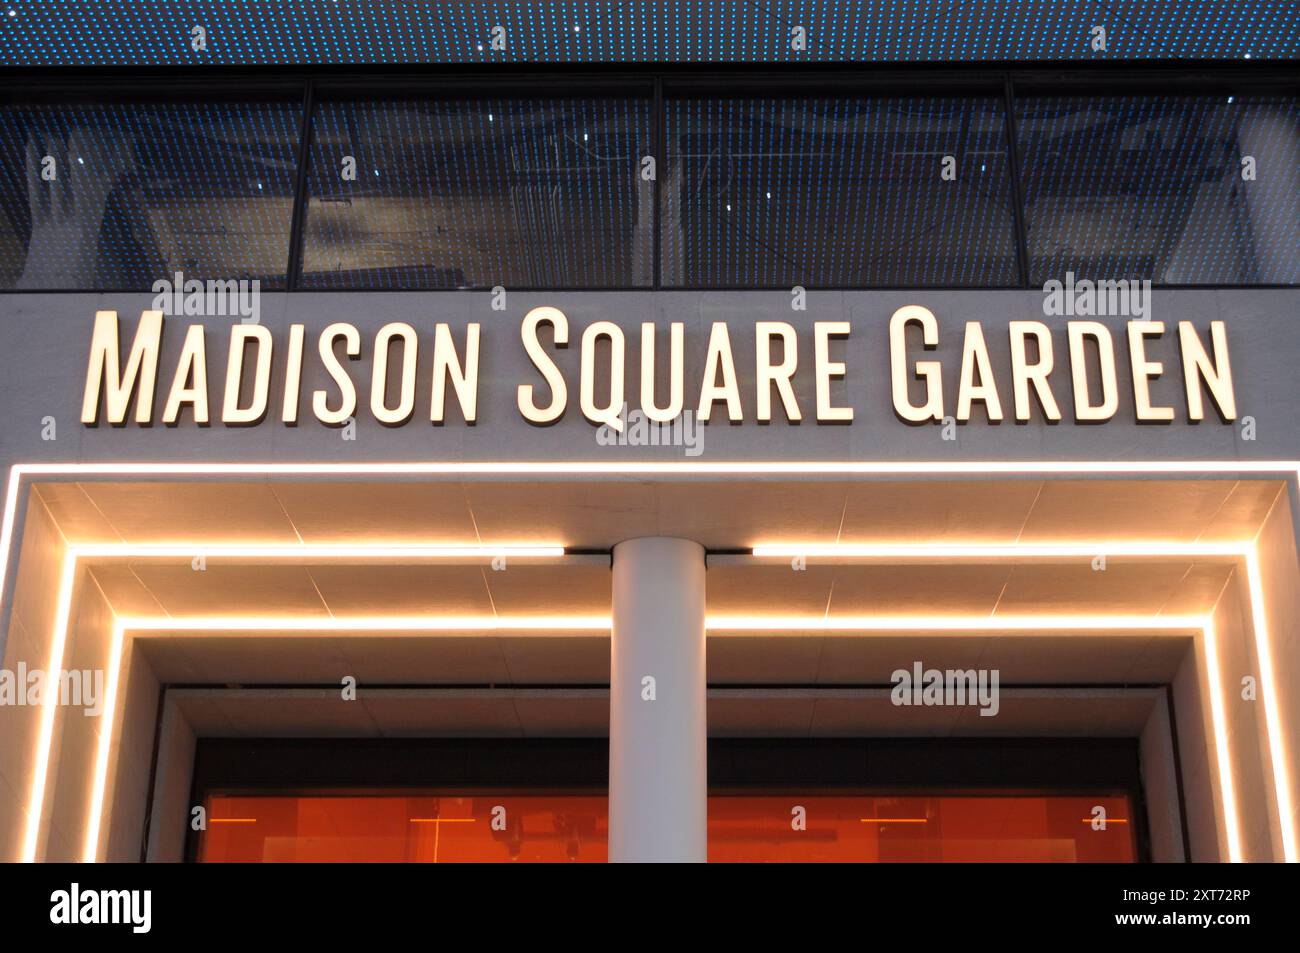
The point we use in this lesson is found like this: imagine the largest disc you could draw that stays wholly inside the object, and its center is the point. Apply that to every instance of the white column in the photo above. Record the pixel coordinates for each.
(658, 780)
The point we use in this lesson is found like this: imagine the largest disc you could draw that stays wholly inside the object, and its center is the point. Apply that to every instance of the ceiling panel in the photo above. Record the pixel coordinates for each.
(225, 589)
(873, 714)
(719, 514)
(1038, 713)
(768, 588)
(770, 658)
(1244, 511)
(312, 713)
(380, 659)
(1072, 658)
(579, 715)
(521, 589)
(734, 588)
(948, 512)
(872, 659)
(511, 713)
(1123, 587)
(918, 589)
(124, 591)
(1199, 590)
(183, 512)
(430, 512)
(1125, 509)
(372, 589)
(432, 714)
(742, 715)
(77, 517)
(723, 515)
(244, 659)
(1022, 713)
(1160, 659)
(556, 660)
(592, 514)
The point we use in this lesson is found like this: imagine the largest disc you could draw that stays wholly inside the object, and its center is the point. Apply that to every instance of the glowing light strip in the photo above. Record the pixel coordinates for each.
(1073, 550)
(1272, 716)
(980, 623)
(313, 551)
(49, 705)
(486, 623)
(715, 623)
(673, 467)
(90, 849)
(1227, 790)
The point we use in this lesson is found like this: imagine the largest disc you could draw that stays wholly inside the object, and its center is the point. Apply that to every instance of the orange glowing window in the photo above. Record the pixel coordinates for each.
(405, 829)
(769, 828)
(930, 829)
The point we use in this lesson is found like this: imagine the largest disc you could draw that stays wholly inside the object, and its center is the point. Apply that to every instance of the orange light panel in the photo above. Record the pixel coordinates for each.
(510, 828)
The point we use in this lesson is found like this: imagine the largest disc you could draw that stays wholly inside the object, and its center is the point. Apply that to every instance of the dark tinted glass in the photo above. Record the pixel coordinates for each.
(118, 196)
(1177, 190)
(455, 194)
(836, 193)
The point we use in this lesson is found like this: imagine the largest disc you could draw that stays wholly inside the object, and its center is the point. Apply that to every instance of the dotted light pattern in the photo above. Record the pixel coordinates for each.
(837, 193)
(117, 196)
(1178, 190)
(459, 194)
(134, 32)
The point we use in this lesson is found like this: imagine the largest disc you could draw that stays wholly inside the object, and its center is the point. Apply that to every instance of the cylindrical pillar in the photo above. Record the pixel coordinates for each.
(658, 762)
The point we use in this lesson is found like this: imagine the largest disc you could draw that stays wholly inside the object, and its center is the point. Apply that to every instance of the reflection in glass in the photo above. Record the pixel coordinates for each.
(118, 196)
(772, 193)
(1177, 190)
(461, 194)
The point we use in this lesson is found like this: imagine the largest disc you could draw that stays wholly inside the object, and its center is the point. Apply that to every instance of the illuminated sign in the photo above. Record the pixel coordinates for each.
(1087, 369)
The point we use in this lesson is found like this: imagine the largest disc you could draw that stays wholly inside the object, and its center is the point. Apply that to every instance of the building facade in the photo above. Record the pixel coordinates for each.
(635, 432)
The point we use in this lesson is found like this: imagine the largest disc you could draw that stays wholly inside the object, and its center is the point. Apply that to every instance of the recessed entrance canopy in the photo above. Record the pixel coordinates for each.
(506, 583)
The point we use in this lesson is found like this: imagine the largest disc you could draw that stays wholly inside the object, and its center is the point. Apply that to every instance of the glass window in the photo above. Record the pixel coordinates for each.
(459, 194)
(773, 193)
(747, 828)
(405, 829)
(118, 196)
(1174, 189)
(922, 829)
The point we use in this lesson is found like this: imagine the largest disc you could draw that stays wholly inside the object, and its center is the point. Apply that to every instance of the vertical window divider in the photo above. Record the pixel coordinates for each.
(299, 218)
(1017, 190)
(661, 161)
